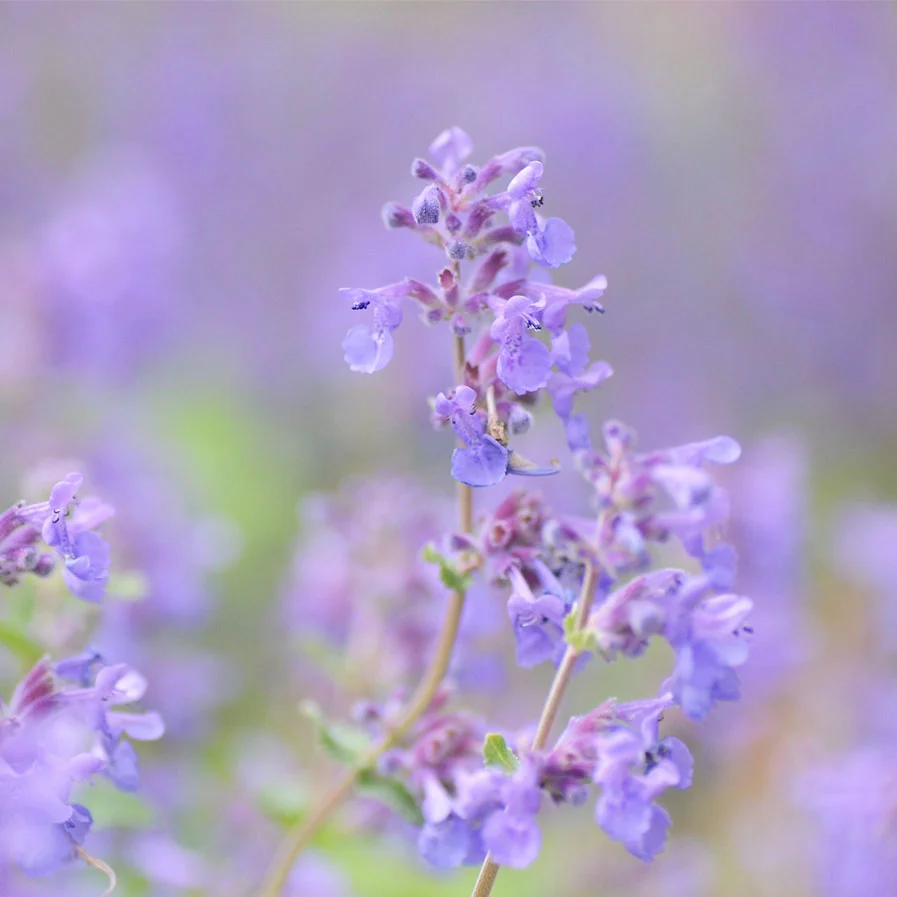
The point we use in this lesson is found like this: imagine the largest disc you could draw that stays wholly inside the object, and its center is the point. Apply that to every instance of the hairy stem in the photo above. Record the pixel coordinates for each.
(299, 837)
(489, 870)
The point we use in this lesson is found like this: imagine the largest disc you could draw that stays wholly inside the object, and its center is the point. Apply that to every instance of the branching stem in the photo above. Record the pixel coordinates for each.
(489, 870)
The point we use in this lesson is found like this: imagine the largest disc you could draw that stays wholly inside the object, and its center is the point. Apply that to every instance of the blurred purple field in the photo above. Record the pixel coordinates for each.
(184, 191)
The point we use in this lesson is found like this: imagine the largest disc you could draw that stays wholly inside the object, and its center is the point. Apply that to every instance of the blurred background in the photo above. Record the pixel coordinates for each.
(184, 188)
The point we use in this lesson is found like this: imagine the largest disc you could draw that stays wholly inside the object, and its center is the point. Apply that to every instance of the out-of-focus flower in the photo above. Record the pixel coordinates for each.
(66, 524)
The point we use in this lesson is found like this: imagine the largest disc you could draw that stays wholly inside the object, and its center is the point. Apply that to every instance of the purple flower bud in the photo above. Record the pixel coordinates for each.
(422, 169)
(453, 223)
(458, 251)
(395, 216)
(427, 205)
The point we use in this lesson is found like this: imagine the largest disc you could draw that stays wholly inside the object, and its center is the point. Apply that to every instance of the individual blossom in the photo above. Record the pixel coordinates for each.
(538, 620)
(635, 767)
(108, 687)
(482, 460)
(549, 242)
(369, 347)
(67, 526)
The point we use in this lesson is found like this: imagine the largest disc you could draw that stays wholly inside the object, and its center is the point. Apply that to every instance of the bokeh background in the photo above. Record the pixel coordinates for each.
(184, 188)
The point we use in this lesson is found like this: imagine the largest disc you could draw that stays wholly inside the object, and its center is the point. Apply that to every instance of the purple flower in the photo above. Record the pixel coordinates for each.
(550, 243)
(446, 844)
(114, 685)
(511, 834)
(369, 347)
(66, 524)
(483, 461)
(523, 362)
(634, 768)
(538, 621)
(570, 355)
(44, 738)
(710, 641)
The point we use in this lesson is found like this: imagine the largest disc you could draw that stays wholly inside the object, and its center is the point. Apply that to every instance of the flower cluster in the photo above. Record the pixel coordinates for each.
(60, 729)
(470, 809)
(522, 344)
(574, 586)
(67, 527)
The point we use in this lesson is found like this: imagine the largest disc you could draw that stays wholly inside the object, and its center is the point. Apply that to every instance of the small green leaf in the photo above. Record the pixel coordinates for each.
(342, 742)
(451, 577)
(15, 640)
(497, 753)
(579, 639)
(390, 792)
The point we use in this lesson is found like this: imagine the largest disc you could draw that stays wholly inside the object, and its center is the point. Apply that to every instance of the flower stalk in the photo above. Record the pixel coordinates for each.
(490, 869)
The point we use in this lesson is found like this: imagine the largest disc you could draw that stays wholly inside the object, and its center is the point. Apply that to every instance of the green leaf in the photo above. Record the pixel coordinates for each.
(451, 577)
(342, 742)
(15, 640)
(579, 639)
(390, 792)
(497, 753)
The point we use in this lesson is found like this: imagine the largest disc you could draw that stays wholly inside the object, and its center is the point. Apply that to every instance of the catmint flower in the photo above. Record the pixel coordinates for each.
(369, 347)
(549, 243)
(710, 641)
(706, 631)
(634, 767)
(558, 299)
(51, 738)
(483, 461)
(538, 621)
(652, 496)
(65, 524)
(114, 685)
(523, 362)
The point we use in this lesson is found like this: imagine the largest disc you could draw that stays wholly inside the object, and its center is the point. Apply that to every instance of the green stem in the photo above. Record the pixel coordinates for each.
(489, 870)
(299, 837)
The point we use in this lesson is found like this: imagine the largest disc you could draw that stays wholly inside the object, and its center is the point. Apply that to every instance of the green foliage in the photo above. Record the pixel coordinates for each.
(451, 577)
(580, 640)
(390, 792)
(15, 640)
(342, 742)
(497, 753)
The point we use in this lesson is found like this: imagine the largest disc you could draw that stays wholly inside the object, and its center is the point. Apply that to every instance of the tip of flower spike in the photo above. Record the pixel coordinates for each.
(523, 467)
